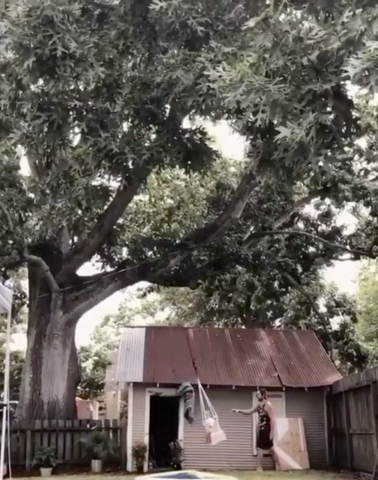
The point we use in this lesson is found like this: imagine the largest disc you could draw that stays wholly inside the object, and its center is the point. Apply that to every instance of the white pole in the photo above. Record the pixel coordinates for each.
(6, 396)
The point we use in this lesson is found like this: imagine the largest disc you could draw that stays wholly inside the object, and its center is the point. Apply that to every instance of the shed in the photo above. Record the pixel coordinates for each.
(231, 363)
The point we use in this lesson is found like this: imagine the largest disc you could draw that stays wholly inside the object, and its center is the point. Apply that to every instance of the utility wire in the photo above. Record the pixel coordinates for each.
(134, 267)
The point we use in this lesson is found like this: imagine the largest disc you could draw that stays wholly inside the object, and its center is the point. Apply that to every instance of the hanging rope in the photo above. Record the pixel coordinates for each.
(209, 417)
(207, 410)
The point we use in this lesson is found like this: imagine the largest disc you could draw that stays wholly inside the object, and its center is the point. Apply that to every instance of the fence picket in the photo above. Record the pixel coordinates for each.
(28, 451)
(354, 407)
(76, 446)
(45, 433)
(37, 436)
(64, 436)
(53, 435)
(60, 440)
(68, 434)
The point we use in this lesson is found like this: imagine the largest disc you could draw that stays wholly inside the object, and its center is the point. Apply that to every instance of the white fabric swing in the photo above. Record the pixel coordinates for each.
(210, 419)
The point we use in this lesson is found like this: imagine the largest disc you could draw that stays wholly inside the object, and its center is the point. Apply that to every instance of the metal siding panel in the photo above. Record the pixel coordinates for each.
(139, 406)
(236, 451)
(309, 405)
(130, 363)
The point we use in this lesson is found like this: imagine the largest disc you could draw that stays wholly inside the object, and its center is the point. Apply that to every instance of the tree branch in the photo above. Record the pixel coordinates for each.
(298, 205)
(85, 249)
(97, 288)
(234, 211)
(327, 243)
(156, 271)
(17, 260)
(34, 260)
(160, 271)
(217, 228)
(305, 294)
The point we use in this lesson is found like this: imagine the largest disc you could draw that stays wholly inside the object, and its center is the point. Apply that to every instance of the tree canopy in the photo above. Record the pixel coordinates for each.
(367, 326)
(104, 101)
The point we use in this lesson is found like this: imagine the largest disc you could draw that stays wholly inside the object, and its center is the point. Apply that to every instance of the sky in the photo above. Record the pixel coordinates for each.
(231, 145)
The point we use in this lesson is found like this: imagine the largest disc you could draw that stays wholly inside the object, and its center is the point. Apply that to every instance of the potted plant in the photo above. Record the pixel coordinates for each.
(97, 447)
(45, 459)
(139, 454)
(177, 455)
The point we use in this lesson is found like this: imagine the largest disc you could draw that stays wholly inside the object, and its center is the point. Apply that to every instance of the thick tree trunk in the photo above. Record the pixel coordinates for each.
(50, 375)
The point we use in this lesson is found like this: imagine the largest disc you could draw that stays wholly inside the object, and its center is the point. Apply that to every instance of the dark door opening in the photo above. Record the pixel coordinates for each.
(164, 425)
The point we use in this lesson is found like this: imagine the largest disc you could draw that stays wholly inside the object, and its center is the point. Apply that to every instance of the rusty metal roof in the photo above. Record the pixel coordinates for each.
(225, 356)
(300, 359)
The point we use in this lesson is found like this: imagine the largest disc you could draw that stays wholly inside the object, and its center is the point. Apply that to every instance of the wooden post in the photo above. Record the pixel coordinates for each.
(347, 431)
(330, 426)
(374, 408)
(28, 449)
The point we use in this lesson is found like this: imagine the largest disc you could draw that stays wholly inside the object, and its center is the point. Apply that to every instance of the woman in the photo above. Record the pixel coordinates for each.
(266, 426)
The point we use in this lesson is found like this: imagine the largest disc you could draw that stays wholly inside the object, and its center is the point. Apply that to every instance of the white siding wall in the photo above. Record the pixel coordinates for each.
(237, 452)
(139, 404)
(309, 405)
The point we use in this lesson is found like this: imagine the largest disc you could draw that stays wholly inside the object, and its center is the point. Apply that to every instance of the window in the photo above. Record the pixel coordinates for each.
(277, 399)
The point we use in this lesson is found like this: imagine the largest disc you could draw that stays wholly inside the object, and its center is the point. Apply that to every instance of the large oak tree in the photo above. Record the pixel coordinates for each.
(99, 97)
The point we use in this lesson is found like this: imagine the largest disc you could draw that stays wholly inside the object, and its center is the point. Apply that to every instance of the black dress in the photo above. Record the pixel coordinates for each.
(263, 430)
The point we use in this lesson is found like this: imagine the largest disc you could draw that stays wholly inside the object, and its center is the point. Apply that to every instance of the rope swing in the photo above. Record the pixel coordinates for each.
(209, 417)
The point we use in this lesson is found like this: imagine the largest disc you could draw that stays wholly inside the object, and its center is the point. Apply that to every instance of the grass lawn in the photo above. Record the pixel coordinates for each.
(267, 475)
(297, 475)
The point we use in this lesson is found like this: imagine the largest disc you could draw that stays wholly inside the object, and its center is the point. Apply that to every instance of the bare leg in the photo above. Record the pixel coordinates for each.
(260, 455)
(275, 458)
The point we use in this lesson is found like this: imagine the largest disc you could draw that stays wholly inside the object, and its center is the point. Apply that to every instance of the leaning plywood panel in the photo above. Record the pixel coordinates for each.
(290, 444)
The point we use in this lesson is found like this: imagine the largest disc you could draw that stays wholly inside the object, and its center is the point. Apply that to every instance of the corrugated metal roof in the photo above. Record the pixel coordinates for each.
(229, 356)
(167, 356)
(232, 357)
(300, 359)
(131, 355)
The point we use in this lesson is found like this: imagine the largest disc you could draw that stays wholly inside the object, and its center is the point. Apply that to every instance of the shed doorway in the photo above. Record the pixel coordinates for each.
(164, 429)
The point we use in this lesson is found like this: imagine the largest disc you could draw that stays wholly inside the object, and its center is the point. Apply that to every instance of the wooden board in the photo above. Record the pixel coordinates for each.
(290, 444)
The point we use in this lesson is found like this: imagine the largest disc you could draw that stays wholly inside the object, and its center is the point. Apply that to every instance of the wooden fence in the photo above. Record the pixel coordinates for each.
(354, 421)
(66, 437)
